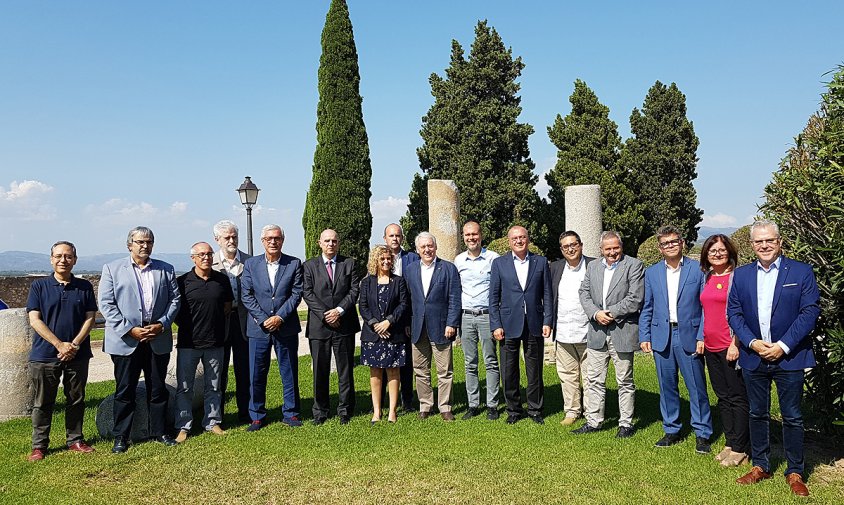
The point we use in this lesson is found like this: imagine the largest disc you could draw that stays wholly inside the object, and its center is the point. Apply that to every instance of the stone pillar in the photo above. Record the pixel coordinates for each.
(16, 391)
(584, 215)
(444, 217)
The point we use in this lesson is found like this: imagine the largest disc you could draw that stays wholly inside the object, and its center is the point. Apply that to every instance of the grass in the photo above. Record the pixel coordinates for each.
(413, 461)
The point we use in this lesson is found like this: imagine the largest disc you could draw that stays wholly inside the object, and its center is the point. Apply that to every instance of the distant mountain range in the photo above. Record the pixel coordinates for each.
(705, 232)
(23, 262)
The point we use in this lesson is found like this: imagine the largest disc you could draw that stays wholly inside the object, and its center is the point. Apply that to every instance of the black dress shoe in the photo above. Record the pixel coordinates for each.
(702, 445)
(318, 421)
(255, 426)
(492, 413)
(165, 440)
(514, 418)
(586, 428)
(625, 432)
(121, 445)
(668, 440)
(344, 419)
(537, 418)
(470, 413)
(408, 408)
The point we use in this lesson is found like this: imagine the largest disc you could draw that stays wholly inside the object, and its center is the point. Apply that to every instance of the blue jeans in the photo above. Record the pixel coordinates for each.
(287, 354)
(212, 365)
(473, 329)
(790, 392)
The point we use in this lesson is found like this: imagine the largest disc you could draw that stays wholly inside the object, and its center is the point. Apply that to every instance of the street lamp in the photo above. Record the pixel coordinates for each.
(248, 192)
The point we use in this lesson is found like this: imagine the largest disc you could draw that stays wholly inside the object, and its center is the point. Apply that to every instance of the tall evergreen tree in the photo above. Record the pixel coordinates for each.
(339, 194)
(588, 151)
(471, 135)
(661, 162)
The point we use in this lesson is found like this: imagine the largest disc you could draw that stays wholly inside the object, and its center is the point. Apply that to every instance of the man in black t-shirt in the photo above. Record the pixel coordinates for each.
(206, 301)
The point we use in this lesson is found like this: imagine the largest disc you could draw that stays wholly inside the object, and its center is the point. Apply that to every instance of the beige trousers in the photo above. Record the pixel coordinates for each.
(597, 365)
(423, 351)
(571, 369)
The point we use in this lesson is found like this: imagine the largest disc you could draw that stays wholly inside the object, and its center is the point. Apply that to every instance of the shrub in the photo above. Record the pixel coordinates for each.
(502, 246)
(741, 239)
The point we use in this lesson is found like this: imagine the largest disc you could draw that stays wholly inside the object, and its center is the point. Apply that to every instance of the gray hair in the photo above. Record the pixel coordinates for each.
(668, 230)
(764, 223)
(272, 227)
(224, 226)
(143, 231)
(423, 235)
(608, 234)
(63, 242)
(193, 247)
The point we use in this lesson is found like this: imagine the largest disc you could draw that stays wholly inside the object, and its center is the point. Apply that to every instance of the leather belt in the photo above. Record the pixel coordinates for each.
(476, 312)
(673, 325)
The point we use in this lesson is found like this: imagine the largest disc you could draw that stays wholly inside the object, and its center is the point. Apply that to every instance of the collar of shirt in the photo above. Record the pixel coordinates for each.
(140, 268)
(679, 266)
(575, 268)
(611, 267)
(428, 267)
(775, 264)
(225, 261)
(325, 260)
(465, 255)
(271, 262)
(516, 258)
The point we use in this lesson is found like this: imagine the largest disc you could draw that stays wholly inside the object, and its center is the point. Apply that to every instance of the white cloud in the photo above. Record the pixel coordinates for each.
(390, 208)
(24, 191)
(178, 207)
(27, 201)
(542, 186)
(719, 220)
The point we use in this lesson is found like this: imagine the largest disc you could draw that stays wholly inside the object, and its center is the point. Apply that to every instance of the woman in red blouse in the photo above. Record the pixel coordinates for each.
(718, 259)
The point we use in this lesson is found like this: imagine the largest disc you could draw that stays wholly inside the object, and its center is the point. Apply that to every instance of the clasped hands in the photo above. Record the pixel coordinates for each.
(66, 351)
(767, 350)
(332, 318)
(498, 334)
(146, 333)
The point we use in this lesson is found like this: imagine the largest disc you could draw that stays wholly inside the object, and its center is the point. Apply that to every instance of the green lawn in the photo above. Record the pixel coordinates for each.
(413, 461)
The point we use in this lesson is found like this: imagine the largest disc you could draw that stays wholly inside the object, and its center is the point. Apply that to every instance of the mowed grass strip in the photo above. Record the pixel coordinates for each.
(413, 461)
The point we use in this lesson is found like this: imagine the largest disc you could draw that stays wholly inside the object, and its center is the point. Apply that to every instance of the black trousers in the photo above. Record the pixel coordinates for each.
(127, 371)
(237, 349)
(343, 347)
(511, 373)
(406, 380)
(728, 385)
(73, 376)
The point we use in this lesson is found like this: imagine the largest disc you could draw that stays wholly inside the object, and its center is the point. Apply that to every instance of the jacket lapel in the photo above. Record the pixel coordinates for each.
(616, 276)
(531, 269)
(437, 272)
(662, 283)
(782, 277)
(684, 275)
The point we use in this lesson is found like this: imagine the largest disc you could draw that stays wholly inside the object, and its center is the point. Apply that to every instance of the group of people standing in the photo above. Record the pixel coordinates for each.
(413, 306)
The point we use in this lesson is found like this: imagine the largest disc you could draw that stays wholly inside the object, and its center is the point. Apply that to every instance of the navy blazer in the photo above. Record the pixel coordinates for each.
(442, 307)
(509, 305)
(654, 326)
(263, 301)
(793, 316)
(406, 258)
(370, 310)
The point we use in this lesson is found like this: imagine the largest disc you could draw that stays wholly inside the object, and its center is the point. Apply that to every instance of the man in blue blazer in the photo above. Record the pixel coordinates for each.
(434, 287)
(139, 298)
(271, 291)
(671, 327)
(772, 308)
(394, 238)
(521, 311)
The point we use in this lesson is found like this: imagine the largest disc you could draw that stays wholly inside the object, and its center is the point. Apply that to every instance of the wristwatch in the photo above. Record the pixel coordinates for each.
(74, 345)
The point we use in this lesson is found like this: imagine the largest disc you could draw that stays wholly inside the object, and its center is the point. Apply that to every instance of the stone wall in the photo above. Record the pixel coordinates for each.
(15, 290)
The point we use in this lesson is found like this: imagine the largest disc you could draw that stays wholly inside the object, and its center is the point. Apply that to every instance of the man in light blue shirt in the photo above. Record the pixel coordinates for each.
(474, 266)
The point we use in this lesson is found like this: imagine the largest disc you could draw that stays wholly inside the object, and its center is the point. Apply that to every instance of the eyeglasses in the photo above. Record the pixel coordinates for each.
(142, 242)
(204, 255)
(570, 247)
(765, 241)
(670, 243)
(66, 257)
(716, 252)
(272, 239)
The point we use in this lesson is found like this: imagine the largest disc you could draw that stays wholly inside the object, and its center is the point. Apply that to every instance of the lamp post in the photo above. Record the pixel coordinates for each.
(248, 192)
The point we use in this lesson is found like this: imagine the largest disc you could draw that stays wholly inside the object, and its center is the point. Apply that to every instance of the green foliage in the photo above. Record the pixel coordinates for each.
(472, 136)
(806, 199)
(648, 252)
(741, 239)
(339, 194)
(588, 151)
(661, 159)
(502, 246)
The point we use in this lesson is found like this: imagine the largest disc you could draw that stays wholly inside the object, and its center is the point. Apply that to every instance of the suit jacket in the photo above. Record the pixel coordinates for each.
(557, 267)
(406, 258)
(371, 311)
(510, 306)
(242, 313)
(322, 295)
(654, 324)
(624, 301)
(793, 316)
(442, 307)
(120, 304)
(263, 301)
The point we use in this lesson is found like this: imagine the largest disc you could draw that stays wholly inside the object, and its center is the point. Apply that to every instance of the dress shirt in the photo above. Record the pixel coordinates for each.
(572, 322)
(427, 272)
(333, 261)
(397, 263)
(233, 268)
(143, 274)
(609, 270)
(522, 268)
(272, 269)
(673, 277)
(474, 278)
(766, 283)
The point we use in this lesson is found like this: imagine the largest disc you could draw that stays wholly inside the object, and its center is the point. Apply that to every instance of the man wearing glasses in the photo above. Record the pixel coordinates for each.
(206, 303)
(772, 308)
(139, 299)
(272, 290)
(671, 327)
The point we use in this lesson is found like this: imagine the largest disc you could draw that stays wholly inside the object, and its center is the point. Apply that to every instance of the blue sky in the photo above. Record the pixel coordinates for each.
(117, 114)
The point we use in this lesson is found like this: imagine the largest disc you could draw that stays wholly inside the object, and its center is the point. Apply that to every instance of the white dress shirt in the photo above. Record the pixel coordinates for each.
(522, 268)
(673, 277)
(427, 272)
(333, 261)
(609, 270)
(766, 284)
(572, 322)
(272, 269)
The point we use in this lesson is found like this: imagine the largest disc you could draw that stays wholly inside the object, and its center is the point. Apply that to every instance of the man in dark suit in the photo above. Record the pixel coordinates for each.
(271, 291)
(139, 299)
(611, 294)
(671, 327)
(331, 292)
(434, 287)
(521, 313)
(773, 306)
(229, 260)
(394, 238)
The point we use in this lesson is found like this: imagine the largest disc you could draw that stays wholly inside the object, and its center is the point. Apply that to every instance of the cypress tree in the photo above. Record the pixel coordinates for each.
(661, 162)
(339, 194)
(471, 135)
(588, 151)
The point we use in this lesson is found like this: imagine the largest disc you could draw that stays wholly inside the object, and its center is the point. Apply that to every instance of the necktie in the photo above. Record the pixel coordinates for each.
(330, 270)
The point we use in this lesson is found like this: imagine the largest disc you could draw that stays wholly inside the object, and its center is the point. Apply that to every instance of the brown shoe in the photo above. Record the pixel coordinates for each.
(424, 415)
(447, 416)
(795, 481)
(217, 430)
(36, 455)
(182, 436)
(755, 475)
(80, 447)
